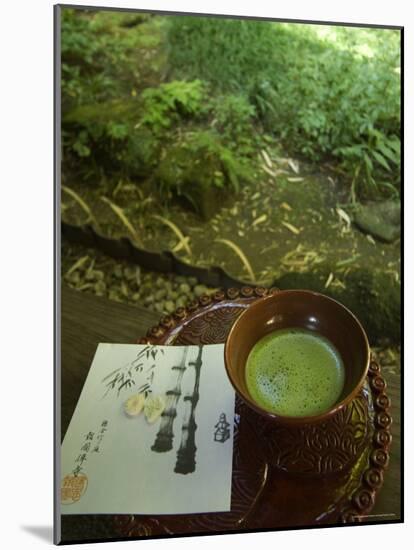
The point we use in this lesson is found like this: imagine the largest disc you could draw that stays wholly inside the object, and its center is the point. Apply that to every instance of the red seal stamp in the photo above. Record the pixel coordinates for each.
(72, 488)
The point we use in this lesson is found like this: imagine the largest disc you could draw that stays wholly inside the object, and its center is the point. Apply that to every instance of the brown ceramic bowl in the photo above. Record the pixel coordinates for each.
(298, 309)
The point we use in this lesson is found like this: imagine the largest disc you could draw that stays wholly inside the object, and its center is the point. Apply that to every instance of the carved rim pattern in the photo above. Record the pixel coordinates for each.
(169, 322)
(362, 500)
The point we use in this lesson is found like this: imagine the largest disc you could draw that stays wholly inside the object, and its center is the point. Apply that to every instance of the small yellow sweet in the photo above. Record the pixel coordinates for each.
(154, 407)
(134, 404)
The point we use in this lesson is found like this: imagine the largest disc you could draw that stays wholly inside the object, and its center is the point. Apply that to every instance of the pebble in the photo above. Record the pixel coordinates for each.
(160, 294)
(118, 272)
(184, 288)
(90, 275)
(100, 288)
(113, 295)
(128, 283)
(146, 288)
(148, 300)
(181, 302)
(159, 282)
(74, 277)
(129, 273)
(169, 306)
(199, 290)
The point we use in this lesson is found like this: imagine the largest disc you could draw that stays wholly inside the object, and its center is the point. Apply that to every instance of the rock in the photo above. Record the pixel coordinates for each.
(124, 289)
(90, 275)
(181, 301)
(169, 306)
(199, 290)
(172, 295)
(100, 288)
(129, 273)
(159, 282)
(380, 219)
(160, 294)
(118, 272)
(74, 277)
(208, 172)
(148, 300)
(184, 288)
(113, 295)
(146, 288)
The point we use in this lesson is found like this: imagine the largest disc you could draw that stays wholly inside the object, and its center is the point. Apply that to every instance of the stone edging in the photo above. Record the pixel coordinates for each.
(162, 262)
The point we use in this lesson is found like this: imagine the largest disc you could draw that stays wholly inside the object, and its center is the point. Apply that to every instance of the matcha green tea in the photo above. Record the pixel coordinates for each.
(295, 372)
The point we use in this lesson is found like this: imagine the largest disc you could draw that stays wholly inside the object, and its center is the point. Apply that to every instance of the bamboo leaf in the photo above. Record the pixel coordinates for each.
(344, 216)
(180, 245)
(240, 254)
(348, 260)
(267, 159)
(268, 171)
(82, 204)
(294, 165)
(329, 280)
(291, 227)
(79, 263)
(176, 230)
(121, 215)
(259, 220)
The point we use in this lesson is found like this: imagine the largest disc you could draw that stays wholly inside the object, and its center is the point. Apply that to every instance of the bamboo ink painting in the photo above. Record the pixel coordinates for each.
(141, 433)
(186, 462)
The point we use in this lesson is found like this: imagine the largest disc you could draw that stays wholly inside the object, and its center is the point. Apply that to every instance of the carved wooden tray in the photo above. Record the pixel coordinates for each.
(329, 474)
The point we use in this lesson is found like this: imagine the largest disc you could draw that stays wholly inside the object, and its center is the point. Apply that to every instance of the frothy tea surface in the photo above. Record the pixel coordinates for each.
(295, 372)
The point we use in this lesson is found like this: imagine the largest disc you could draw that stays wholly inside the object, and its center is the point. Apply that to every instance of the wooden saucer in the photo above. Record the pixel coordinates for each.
(280, 479)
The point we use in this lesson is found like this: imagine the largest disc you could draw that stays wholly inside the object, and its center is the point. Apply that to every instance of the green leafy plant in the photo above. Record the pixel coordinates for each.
(164, 105)
(234, 116)
(375, 165)
(326, 93)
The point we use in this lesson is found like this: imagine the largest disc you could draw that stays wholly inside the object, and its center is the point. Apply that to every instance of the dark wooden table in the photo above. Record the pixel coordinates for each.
(87, 320)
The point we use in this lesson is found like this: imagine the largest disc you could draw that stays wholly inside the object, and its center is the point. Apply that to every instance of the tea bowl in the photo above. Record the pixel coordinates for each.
(303, 309)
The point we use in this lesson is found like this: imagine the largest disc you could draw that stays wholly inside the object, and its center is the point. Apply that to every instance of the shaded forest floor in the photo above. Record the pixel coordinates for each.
(290, 221)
